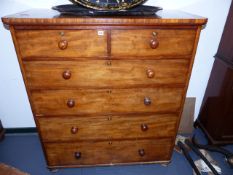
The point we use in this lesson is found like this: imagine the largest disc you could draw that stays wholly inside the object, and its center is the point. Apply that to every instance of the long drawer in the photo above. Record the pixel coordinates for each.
(107, 127)
(61, 43)
(107, 152)
(100, 73)
(73, 102)
(153, 42)
(92, 43)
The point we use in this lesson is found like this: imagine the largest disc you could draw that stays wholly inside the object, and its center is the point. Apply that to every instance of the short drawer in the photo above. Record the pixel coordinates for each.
(61, 43)
(104, 127)
(73, 102)
(100, 73)
(108, 152)
(154, 42)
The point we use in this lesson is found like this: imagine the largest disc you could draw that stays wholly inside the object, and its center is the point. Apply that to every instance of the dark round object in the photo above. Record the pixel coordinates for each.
(154, 43)
(108, 5)
(74, 130)
(70, 103)
(79, 10)
(77, 155)
(63, 44)
(141, 152)
(66, 74)
(147, 101)
(144, 127)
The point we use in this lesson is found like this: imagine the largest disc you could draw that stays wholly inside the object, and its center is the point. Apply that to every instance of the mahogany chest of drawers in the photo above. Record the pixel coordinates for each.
(105, 90)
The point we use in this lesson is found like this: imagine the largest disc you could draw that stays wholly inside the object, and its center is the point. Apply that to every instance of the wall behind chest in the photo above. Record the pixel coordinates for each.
(14, 106)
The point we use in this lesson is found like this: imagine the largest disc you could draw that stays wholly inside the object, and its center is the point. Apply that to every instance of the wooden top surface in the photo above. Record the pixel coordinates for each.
(52, 17)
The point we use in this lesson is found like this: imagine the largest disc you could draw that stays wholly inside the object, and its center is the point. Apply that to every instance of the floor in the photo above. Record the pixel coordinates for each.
(24, 152)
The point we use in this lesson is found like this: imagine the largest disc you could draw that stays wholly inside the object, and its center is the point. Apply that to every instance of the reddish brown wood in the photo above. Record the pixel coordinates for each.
(74, 130)
(90, 101)
(101, 152)
(63, 44)
(50, 43)
(138, 43)
(141, 152)
(150, 73)
(44, 17)
(70, 103)
(135, 95)
(66, 74)
(144, 127)
(216, 114)
(106, 126)
(154, 43)
(102, 73)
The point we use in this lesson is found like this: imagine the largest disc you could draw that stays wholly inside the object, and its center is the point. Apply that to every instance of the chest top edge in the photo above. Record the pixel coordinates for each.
(53, 18)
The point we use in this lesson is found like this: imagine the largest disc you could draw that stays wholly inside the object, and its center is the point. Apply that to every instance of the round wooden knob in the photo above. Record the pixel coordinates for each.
(77, 155)
(141, 152)
(70, 103)
(74, 130)
(150, 73)
(144, 127)
(147, 101)
(66, 74)
(63, 44)
(154, 43)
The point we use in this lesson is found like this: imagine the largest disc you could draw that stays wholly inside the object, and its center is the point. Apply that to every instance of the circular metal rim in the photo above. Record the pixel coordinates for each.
(123, 6)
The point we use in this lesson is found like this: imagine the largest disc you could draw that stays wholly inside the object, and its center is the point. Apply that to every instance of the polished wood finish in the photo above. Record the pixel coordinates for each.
(101, 127)
(50, 43)
(216, 114)
(43, 17)
(113, 152)
(89, 101)
(105, 73)
(142, 43)
(105, 90)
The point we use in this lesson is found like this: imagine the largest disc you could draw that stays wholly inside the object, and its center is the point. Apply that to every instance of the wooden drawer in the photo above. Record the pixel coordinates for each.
(65, 102)
(171, 42)
(105, 127)
(61, 43)
(100, 73)
(107, 152)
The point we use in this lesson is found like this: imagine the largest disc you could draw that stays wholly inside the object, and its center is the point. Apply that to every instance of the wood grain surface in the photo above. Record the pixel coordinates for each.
(107, 152)
(89, 101)
(48, 17)
(54, 129)
(137, 42)
(104, 73)
(45, 43)
(106, 90)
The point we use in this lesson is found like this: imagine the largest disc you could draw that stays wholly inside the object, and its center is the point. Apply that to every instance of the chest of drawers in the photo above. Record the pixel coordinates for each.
(106, 90)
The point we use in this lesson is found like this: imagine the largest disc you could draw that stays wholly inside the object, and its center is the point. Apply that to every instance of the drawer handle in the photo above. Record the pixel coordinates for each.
(147, 101)
(150, 73)
(154, 43)
(144, 127)
(74, 130)
(141, 152)
(77, 155)
(63, 44)
(70, 103)
(66, 74)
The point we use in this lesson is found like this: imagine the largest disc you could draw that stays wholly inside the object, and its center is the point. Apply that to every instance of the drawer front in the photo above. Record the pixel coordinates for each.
(58, 43)
(107, 152)
(64, 102)
(142, 43)
(100, 73)
(105, 127)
